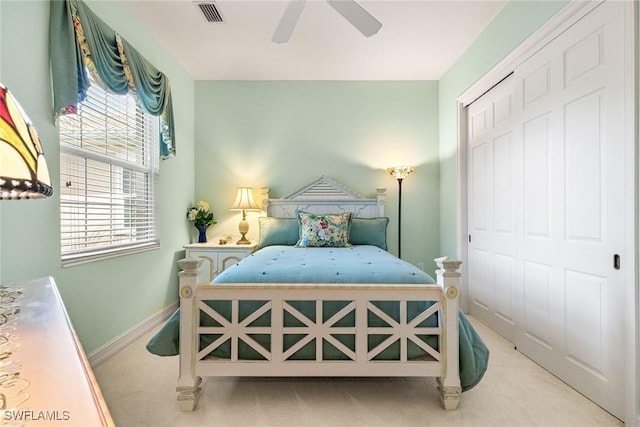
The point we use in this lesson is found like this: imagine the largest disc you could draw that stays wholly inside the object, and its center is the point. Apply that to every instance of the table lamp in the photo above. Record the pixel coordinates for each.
(244, 202)
(23, 175)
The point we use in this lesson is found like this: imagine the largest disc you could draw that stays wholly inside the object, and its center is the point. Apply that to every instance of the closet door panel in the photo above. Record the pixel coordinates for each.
(491, 208)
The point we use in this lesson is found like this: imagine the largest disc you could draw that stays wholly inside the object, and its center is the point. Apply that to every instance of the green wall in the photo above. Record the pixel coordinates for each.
(515, 22)
(103, 298)
(285, 134)
(277, 134)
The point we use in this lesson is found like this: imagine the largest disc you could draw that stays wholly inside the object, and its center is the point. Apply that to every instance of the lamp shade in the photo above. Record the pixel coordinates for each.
(244, 200)
(400, 172)
(23, 169)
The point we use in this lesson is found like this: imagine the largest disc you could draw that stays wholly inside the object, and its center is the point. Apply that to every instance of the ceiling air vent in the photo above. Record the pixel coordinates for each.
(210, 11)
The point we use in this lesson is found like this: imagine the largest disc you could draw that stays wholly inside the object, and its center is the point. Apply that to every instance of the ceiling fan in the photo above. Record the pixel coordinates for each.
(349, 9)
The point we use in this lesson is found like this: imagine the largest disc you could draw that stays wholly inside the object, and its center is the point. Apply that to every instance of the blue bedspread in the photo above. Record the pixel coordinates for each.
(357, 264)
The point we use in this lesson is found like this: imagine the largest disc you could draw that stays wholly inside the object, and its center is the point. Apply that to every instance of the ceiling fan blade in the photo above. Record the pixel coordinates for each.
(288, 21)
(357, 16)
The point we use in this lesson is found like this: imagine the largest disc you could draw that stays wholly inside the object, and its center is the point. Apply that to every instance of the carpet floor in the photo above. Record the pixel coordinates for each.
(140, 391)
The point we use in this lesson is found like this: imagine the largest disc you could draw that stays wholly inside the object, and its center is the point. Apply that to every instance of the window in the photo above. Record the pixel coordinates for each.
(109, 175)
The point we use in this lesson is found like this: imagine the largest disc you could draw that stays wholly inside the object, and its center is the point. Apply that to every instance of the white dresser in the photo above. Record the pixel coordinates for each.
(45, 377)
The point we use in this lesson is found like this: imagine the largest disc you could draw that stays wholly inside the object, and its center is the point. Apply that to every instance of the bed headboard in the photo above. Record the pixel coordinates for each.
(324, 196)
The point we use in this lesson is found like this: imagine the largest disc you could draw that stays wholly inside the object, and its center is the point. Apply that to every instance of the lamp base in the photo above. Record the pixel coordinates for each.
(243, 228)
(243, 241)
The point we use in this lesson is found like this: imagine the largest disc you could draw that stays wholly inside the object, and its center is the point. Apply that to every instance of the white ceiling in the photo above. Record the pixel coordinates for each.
(419, 39)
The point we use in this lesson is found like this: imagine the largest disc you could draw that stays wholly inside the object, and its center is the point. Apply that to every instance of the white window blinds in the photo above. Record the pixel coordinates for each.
(108, 178)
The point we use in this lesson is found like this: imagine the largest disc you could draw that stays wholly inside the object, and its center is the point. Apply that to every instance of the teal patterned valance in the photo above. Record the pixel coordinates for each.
(82, 43)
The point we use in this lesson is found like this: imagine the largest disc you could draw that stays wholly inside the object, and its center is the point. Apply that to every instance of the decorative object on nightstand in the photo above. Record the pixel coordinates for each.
(202, 218)
(23, 169)
(244, 202)
(400, 173)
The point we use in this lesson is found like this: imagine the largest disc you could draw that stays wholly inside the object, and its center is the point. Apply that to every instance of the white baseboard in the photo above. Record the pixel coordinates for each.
(121, 341)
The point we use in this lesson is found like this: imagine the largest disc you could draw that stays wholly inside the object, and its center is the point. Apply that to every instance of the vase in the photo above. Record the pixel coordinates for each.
(202, 232)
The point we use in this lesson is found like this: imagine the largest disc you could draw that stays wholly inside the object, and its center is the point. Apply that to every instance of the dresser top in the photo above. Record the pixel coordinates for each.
(54, 382)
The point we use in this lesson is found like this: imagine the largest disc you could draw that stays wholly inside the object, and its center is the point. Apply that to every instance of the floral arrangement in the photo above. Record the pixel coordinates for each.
(201, 214)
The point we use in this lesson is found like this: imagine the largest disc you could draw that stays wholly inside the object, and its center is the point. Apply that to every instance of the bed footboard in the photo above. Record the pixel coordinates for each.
(347, 330)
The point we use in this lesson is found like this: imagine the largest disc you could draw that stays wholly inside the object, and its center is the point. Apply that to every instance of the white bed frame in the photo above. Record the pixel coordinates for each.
(321, 196)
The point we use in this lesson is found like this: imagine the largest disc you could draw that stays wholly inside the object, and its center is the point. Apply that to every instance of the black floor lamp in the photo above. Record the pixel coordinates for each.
(400, 173)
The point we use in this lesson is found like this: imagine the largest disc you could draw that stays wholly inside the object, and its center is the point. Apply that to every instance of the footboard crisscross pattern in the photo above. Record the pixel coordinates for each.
(319, 331)
(406, 331)
(316, 331)
(235, 330)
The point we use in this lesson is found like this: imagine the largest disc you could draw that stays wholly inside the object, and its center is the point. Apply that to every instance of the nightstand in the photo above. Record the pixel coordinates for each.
(217, 257)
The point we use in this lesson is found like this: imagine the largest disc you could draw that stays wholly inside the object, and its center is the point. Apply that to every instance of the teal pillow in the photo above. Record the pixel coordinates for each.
(278, 231)
(369, 231)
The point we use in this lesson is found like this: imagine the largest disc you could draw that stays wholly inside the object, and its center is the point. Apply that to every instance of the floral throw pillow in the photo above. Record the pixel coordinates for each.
(324, 230)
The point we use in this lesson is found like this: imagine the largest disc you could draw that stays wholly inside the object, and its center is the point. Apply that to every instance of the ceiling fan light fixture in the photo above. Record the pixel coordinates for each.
(355, 14)
(288, 21)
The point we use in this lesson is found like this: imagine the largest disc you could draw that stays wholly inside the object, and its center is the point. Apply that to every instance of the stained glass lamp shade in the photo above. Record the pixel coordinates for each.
(244, 202)
(400, 172)
(23, 169)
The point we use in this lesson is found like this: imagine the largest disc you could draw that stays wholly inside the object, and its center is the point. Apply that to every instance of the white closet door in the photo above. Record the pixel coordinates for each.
(546, 209)
(571, 94)
(494, 150)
